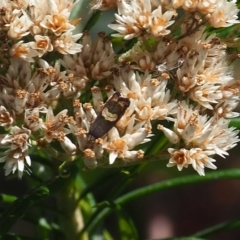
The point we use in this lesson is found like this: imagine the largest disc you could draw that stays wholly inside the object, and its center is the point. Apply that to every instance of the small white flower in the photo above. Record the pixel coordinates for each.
(6, 118)
(200, 160)
(17, 155)
(53, 126)
(179, 158)
(68, 146)
(24, 51)
(32, 119)
(225, 109)
(57, 19)
(89, 159)
(120, 146)
(206, 94)
(171, 135)
(66, 43)
(19, 27)
(225, 14)
(196, 157)
(159, 22)
(42, 44)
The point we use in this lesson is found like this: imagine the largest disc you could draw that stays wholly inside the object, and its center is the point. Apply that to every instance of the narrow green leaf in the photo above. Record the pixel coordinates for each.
(126, 225)
(222, 227)
(168, 184)
(107, 235)
(99, 208)
(176, 182)
(93, 20)
(19, 207)
(44, 223)
(7, 198)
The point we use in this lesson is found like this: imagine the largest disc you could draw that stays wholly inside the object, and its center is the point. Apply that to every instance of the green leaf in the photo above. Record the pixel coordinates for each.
(93, 20)
(177, 182)
(44, 223)
(88, 224)
(7, 198)
(168, 184)
(222, 227)
(107, 235)
(126, 226)
(235, 123)
(19, 207)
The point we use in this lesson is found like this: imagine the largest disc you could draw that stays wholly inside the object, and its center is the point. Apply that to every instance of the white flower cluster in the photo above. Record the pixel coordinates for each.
(39, 26)
(152, 18)
(175, 78)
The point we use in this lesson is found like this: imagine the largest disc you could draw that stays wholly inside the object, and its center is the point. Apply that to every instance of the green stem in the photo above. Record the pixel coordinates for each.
(71, 220)
(168, 184)
(225, 226)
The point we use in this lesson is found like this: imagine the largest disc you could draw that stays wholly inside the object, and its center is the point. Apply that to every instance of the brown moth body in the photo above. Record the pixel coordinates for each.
(110, 114)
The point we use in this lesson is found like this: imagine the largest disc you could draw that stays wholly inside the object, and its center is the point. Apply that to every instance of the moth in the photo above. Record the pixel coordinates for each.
(163, 68)
(110, 114)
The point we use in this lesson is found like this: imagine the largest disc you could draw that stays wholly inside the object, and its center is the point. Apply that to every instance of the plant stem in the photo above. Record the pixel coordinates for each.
(71, 220)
